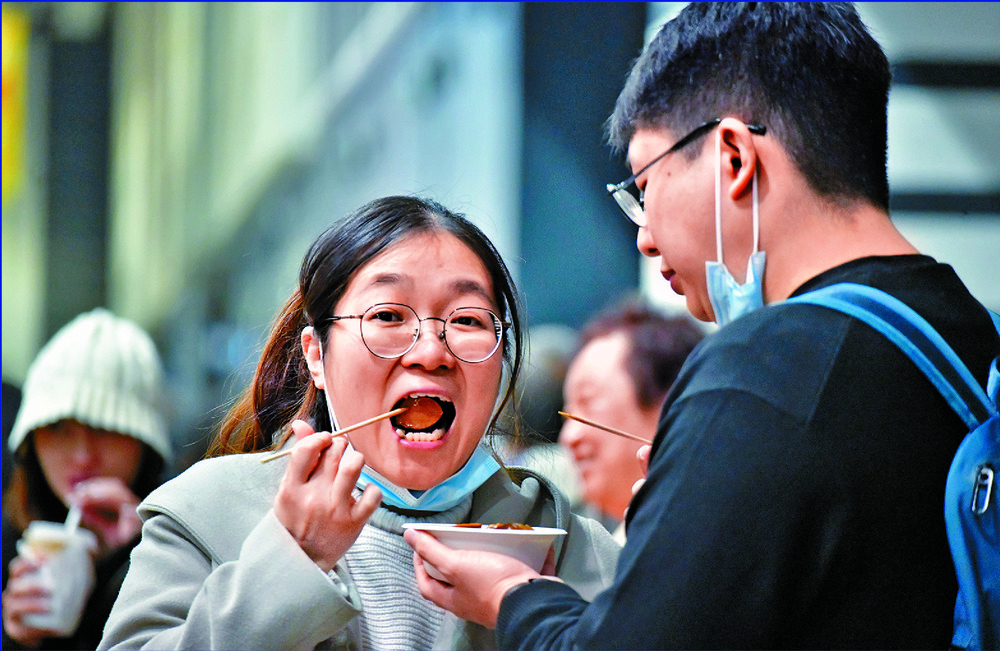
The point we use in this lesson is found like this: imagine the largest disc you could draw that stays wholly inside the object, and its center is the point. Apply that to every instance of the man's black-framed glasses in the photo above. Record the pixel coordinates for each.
(390, 330)
(633, 207)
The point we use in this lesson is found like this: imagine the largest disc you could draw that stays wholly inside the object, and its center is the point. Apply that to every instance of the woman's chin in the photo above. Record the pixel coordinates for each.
(417, 475)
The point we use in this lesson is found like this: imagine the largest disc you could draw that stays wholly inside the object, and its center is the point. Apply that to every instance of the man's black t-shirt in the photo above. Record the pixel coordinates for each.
(795, 491)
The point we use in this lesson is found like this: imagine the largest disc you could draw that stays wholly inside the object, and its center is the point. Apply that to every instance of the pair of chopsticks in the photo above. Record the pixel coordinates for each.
(346, 430)
(395, 412)
(619, 432)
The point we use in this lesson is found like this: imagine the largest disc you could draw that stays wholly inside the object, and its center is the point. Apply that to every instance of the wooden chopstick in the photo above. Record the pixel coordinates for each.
(605, 428)
(346, 430)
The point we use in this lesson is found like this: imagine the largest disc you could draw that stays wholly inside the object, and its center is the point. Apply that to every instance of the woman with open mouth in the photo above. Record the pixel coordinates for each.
(384, 372)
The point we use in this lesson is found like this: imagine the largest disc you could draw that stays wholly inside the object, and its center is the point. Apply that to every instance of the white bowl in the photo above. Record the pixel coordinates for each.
(530, 546)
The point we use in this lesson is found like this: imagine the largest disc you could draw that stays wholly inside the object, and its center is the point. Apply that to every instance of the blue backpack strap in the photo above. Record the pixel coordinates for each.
(917, 338)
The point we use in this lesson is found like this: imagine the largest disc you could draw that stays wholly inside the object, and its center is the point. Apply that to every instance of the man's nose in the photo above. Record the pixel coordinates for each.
(644, 242)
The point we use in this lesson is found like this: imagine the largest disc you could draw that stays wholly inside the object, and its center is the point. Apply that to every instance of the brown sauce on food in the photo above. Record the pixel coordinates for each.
(498, 525)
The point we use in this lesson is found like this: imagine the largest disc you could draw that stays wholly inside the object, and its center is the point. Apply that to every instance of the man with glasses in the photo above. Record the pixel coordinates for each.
(795, 487)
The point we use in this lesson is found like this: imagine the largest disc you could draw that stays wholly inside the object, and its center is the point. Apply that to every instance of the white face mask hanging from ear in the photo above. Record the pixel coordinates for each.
(729, 299)
(334, 425)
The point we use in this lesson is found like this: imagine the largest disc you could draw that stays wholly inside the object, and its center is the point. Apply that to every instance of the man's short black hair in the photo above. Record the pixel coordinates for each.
(810, 72)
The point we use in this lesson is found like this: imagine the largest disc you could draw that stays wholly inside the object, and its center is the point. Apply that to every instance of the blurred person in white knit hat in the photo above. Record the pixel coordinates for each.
(90, 433)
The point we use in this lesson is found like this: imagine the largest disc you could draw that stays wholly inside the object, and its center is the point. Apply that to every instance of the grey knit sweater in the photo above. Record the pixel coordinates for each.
(394, 616)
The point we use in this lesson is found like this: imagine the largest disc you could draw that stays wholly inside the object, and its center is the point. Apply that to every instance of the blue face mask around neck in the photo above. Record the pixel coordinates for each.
(480, 467)
(731, 300)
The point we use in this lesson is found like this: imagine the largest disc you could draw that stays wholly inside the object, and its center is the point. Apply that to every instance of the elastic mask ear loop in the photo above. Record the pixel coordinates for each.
(755, 207)
(718, 197)
(756, 212)
(334, 425)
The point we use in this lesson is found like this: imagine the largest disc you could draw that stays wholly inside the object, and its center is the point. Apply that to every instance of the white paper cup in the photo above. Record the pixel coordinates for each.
(66, 570)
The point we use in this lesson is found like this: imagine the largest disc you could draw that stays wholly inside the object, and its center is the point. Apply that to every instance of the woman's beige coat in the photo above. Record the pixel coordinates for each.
(216, 570)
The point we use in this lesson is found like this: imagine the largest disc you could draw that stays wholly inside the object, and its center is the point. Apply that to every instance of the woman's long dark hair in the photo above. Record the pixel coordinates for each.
(282, 388)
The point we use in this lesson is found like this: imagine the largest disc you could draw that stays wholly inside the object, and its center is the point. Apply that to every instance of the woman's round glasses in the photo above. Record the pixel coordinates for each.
(390, 330)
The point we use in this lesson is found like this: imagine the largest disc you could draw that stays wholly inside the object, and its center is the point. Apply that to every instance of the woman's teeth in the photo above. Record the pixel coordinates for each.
(420, 436)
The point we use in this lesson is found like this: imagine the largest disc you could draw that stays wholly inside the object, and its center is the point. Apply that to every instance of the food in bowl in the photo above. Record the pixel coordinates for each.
(529, 545)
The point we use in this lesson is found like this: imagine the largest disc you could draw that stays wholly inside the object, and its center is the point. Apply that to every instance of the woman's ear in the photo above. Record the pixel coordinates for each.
(739, 157)
(312, 350)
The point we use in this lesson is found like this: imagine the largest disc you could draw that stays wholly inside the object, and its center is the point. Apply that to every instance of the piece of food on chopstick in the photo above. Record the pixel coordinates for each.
(427, 418)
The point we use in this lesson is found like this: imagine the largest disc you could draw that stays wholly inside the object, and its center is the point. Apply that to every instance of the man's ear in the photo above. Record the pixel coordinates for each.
(739, 157)
(312, 349)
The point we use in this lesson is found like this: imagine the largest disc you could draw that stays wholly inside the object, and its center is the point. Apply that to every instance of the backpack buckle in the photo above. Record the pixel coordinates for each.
(983, 490)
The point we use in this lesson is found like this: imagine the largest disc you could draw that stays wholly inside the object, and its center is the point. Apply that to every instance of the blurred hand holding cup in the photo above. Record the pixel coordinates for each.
(64, 555)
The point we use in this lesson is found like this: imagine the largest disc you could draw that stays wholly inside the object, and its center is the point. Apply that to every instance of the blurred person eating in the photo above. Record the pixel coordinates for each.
(90, 437)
